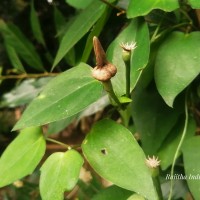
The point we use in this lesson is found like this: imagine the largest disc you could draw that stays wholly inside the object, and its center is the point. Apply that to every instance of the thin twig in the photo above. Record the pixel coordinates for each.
(22, 76)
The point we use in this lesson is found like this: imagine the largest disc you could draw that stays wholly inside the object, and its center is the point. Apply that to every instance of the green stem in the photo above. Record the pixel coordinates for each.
(128, 81)
(60, 143)
(109, 88)
(178, 148)
(156, 183)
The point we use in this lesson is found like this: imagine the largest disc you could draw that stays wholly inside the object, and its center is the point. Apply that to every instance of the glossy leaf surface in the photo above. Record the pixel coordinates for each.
(136, 8)
(114, 153)
(137, 32)
(59, 173)
(191, 158)
(64, 96)
(176, 65)
(22, 156)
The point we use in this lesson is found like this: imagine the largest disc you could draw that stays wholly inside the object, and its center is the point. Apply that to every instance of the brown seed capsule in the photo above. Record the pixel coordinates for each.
(104, 70)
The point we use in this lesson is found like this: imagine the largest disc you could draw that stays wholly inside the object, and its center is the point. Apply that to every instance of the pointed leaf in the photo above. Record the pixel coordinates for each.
(79, 4)
(152, 118)
(60, 173)
(136, 31)
(115, 155)
(191, 158)
(35, 25)
(15, 38)
(14, 59)
(64, 96)
(83, 22)
(177, 64)
(22, 156)
(136, 8)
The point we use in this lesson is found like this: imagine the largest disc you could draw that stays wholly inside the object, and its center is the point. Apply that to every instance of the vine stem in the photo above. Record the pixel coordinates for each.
(128, 81)
(60, 143)
(22, 76)
(178, 148)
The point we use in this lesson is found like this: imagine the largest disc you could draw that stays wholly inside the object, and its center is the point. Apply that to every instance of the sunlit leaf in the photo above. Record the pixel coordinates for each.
(22, 156)
(59, 173)
(114, 154)
(194, 3)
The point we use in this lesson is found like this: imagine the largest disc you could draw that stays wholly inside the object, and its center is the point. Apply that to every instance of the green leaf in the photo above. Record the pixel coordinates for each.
(95, 32)
(152, 118)
(64, 96)
(177, 64)
(112, 193)
(191, 159)
(22, 156)
(116, 156)
(136, 197)
(136, 31)
(23, 47)
(79, 4)
(195, 4)
(169, 146)
(35, 25)
(136, 8)
(81, 25)
(60, 173)
(14, 59)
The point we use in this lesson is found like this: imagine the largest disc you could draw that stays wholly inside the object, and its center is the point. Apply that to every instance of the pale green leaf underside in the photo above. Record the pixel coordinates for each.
(60, 173)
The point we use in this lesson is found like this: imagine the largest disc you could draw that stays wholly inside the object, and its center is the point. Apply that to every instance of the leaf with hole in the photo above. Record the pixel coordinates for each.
(115, 155)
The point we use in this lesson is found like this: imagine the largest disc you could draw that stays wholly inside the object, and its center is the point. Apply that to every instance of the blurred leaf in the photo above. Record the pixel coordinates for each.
(24, 92)
(116, 156)
(136, 197)
(195, 4)
(95, 32)
(169, 146)
(81, 25)
(14, 59)
(152, 118)
(136, 9)
(57, 126)
(23, 47)
(136, 31)
(64, 96)
(112, 193)
(59, 173)
(79, 4)
(22, 156)
(35, 25)
(192, 164)
(176, 65)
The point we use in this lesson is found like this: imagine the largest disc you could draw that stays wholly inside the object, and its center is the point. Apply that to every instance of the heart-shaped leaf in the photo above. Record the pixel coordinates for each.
(114, 153)
(177, 64)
